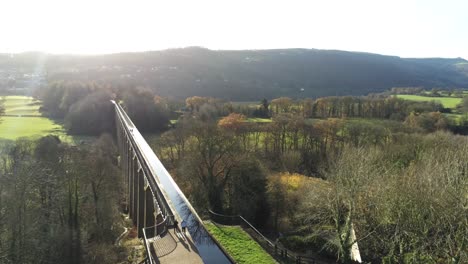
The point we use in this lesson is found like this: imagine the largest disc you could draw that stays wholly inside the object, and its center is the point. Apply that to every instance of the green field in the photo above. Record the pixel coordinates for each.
(447, 102)
(24, 120)
(259, 120)
(454, 117)
(21, 105)
(240, 246)
(16, 127)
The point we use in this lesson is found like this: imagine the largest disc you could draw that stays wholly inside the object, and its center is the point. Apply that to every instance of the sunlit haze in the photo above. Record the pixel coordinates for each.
(405, 28)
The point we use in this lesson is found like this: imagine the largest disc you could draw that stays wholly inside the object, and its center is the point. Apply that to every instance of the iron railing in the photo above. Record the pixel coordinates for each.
(159, 229)
(149, 255)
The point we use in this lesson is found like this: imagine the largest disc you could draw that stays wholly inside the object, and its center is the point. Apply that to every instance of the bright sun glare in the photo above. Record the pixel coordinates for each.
(405, 28)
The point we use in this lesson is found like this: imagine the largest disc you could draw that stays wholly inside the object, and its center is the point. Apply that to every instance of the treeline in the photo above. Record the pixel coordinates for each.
(86, 108)
(348, 106)
(59, 203)
(458, 93)
(383, 107)
(420, 115)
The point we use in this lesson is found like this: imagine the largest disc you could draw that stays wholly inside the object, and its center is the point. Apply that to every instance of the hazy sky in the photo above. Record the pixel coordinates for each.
(407, 28)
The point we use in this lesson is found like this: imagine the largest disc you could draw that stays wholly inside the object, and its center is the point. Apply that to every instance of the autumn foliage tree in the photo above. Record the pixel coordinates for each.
(233, 122)
(194, 103)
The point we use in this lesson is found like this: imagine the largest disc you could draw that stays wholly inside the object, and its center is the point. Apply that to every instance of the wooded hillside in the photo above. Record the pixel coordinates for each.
(250, 74)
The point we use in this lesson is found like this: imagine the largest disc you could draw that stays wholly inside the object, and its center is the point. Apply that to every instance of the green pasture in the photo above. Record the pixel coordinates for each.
(16, 127)
(454, 117)
(240, 246)
(447, 102)
(259, 120)
(23, 119)
(21, 105)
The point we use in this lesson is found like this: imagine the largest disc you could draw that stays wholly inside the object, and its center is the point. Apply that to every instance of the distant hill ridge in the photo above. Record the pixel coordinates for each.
(252, 74)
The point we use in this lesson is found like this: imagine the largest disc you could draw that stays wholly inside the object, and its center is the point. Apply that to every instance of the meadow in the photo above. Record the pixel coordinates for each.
(259, 120)
(21, 105)
(447, 102)
(23, 119)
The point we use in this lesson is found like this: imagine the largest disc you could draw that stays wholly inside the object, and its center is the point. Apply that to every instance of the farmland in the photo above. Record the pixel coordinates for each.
(447, 102)
(23, 119)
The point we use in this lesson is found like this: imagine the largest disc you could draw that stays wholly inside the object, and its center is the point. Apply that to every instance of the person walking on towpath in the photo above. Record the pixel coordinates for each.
(176, 225)
(184, 226)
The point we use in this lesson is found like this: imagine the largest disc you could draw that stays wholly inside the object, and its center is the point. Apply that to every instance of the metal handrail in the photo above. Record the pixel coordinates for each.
(223, 215)
(246, 222)
(155, 227)
(256, 231)
(148, 250)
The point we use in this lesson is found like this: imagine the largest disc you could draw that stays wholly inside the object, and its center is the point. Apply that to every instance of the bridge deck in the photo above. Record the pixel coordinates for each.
(175, 247)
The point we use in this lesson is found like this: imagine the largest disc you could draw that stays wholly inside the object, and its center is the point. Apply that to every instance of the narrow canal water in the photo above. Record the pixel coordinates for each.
(207, 248)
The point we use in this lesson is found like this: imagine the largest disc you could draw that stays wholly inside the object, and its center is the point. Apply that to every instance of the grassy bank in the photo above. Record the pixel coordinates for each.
(239, 244)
